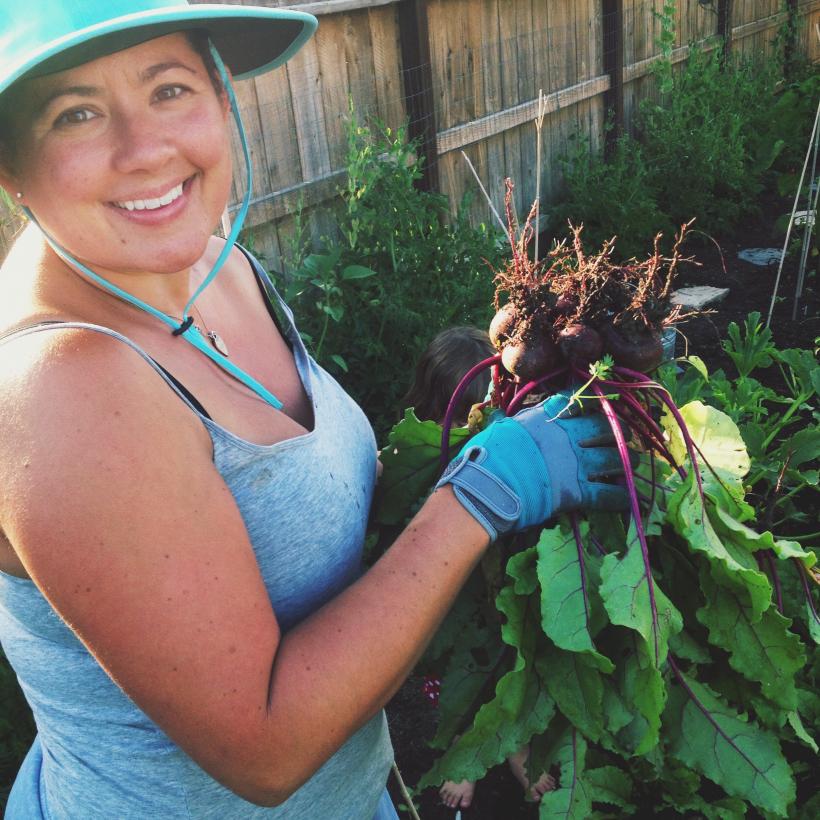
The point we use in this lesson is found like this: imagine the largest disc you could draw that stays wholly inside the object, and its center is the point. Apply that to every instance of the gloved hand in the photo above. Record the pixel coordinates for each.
(545, 460)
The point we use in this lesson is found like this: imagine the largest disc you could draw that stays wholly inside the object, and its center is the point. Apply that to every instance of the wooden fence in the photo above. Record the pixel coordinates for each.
(466, 76)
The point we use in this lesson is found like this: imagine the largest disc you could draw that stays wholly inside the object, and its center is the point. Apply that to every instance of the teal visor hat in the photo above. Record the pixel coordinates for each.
(43, 36)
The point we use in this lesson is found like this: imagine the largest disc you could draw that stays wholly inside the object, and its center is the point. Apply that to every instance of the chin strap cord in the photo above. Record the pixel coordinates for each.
(186, 327)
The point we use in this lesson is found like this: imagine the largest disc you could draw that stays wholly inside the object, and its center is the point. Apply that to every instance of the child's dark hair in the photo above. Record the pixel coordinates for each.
(441, 367)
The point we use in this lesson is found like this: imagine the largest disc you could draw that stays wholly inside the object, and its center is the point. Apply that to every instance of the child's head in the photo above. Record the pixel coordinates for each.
(441, 367)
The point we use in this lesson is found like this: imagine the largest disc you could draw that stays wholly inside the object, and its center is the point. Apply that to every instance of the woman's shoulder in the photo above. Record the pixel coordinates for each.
(78, 388)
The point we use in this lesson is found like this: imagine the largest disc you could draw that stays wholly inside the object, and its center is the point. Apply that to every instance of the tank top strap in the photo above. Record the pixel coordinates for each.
(280, 312)
(175, 385)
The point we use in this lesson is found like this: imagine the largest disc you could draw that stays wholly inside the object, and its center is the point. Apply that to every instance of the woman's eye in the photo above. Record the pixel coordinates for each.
(75, 116)
(170, 92)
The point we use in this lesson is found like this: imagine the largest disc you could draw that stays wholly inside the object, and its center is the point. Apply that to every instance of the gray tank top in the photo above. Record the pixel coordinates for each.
(97, 755)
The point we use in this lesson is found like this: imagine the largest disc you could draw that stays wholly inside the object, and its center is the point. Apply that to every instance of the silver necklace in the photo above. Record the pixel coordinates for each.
(217, 342)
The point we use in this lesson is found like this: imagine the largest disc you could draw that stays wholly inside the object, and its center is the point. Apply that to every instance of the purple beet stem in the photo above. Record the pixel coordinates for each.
(597, 544)
(661, 393)
(454, 399)
(576, 531)
(767, 557)
(653, 428)
(635, 507)
(801, 571)
(529, 387)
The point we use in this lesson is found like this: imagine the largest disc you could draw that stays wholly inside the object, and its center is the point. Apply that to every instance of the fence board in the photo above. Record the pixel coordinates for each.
(387, 65)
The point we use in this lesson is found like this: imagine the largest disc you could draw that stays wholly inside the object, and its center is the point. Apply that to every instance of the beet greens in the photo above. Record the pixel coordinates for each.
(637, 654)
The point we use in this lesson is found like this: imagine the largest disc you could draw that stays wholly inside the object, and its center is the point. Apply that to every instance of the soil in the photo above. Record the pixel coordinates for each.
(412, 718)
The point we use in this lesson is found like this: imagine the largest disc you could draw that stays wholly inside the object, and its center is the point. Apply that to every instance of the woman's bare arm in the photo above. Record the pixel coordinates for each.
(114, 506)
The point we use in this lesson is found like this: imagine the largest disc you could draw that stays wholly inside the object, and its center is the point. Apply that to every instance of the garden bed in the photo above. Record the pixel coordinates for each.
(412, 718)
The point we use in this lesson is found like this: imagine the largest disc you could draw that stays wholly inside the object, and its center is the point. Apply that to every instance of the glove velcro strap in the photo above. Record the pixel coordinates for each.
(483, 495)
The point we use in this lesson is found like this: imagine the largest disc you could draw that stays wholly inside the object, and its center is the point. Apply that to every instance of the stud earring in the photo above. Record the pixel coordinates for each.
(19, 195)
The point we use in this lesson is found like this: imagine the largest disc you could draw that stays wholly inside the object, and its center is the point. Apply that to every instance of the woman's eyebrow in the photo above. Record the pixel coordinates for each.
(150, 73)
(65, 91)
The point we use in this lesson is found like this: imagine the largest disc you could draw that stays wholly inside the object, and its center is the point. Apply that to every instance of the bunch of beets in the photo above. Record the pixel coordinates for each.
(575, 319)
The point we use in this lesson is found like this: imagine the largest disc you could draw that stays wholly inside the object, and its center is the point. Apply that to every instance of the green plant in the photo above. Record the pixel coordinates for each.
(321, 275)
(690, 692)
(780, 429)
(666, 42)
(431, 271)
(709, 141)
(613, 196)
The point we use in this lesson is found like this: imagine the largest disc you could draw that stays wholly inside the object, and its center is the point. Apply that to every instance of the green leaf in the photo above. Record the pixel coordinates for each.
(718, 440)
(699, 365)
(463, 681)
(643, 692)
(520, 708)
(800, 731)
(680, 787)
(357, 272)
(705, 733)
(761, 649)
(571, 799)
(803, 365)
(411, 460)
(335, 357)
(336, 312)
(617, 713)
(575, 684)
(565, 604)
(748, 539)
(611, 785)
(686, 515)
(626, 595)
(727, 808)
(683, 645)
(801, 446)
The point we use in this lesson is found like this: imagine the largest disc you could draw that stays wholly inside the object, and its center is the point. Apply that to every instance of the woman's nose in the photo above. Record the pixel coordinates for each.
(141, 144)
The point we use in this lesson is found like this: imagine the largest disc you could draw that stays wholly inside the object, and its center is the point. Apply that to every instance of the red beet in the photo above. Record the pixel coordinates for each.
(566, 305)
(642, 352)
(503, 325)
(530, 358)
(580, 344)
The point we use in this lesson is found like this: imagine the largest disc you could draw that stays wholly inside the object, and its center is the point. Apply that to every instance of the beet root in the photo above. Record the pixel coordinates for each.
(580, 344)
(566, 305)
(643, 352)
(531, 358)
(503, 325)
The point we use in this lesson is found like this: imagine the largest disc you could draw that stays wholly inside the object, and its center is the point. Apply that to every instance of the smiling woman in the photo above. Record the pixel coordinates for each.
(181, 590)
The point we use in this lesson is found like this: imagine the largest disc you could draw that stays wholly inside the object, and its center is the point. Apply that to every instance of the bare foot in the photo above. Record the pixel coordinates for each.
(518, 766)
(546, 783)
(457, 795)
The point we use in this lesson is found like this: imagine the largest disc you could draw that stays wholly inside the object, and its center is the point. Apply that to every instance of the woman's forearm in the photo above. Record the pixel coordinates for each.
(336, 669)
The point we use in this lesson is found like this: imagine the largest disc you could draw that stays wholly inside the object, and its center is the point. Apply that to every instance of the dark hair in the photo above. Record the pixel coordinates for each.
(11, 98)
(441, 367)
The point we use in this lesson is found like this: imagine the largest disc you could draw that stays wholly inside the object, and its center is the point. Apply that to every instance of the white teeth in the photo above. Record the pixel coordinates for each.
(151, 204)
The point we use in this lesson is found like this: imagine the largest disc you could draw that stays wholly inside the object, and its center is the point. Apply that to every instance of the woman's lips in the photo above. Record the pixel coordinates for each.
(143, 211)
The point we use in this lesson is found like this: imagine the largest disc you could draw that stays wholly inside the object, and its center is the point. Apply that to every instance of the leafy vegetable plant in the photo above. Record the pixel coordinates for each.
(654, 660)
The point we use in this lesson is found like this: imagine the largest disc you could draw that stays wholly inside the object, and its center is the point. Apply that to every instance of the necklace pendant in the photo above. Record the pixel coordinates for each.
(218, 343)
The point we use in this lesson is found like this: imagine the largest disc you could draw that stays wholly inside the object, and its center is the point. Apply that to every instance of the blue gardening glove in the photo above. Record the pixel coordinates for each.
(545, 460)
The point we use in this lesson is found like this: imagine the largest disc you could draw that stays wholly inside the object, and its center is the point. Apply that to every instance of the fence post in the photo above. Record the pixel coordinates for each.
(724, 15)
(613, 47)
(417, 78)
